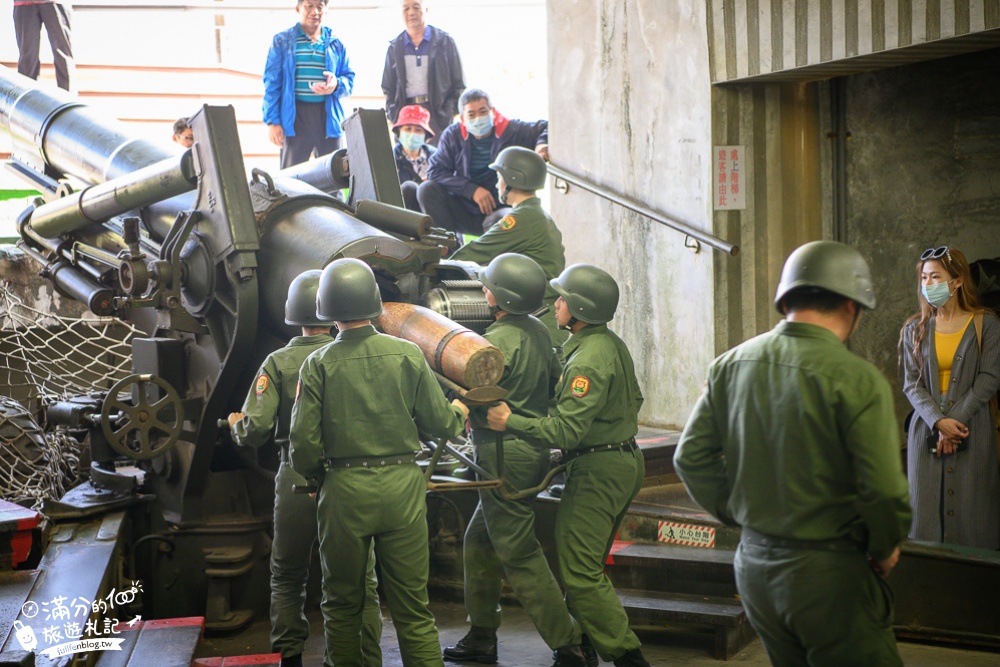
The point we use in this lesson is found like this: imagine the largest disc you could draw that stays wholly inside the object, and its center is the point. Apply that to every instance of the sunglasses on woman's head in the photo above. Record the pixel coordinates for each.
(935, 253)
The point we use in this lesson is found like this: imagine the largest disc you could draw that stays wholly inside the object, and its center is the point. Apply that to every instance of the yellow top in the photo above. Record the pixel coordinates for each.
(946, 345)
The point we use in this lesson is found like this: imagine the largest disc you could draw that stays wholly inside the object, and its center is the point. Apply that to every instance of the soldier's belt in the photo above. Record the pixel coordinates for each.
(750, 536)
(625, 445)
(419, 99)
(371, 461)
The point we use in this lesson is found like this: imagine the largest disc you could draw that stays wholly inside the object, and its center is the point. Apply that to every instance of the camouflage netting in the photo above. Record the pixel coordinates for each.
(46, 357)
(35, 465)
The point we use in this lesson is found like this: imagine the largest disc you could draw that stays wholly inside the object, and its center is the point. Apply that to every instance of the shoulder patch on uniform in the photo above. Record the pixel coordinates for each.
(262, 382)
(508, 223)
(580, 386)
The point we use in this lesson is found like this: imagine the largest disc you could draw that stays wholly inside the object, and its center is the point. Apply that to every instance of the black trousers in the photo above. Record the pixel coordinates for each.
(409, 190)
(447, 211)
(310, 135)
(28, 22)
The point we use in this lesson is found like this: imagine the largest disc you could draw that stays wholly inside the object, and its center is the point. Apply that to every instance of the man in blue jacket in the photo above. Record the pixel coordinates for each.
(306, 74)
(460, 193)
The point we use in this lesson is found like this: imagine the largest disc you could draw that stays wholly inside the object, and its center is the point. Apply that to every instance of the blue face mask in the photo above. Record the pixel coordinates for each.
(480, 127)
(411, 141)
(937, 294)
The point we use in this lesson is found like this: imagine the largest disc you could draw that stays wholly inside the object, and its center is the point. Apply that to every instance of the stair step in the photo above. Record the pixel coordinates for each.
(672, 570)
(693, 559)
(729, 626)
(658, 451)
(662, 513)
(261, 660)
(129, 634)
(163, 643)
(686, 608)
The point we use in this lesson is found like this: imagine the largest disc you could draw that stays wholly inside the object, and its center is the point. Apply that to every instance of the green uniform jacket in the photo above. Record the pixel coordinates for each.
(525, 344)
(597, 397)
(269, 403)
(795, 437)
(527, 230)
(366, 394)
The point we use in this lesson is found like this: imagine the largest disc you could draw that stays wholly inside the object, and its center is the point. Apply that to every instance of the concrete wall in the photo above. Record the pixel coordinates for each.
(923, 171)
(629, 108)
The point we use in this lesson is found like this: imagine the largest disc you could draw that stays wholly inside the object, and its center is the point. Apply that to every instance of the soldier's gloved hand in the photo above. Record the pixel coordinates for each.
(235, 417)
(497, 416)
(461, 406)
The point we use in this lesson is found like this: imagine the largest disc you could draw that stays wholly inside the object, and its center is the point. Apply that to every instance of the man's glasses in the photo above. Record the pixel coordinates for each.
(935, 253)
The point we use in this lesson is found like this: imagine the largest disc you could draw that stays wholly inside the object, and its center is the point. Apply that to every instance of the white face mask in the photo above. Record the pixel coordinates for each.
(411, 141)
(937, 294)
(481, 126)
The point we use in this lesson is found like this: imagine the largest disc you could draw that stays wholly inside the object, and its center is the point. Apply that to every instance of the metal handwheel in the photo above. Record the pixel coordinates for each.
(144, 430)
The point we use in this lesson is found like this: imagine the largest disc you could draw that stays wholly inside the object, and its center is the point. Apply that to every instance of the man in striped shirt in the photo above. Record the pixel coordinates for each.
(306, 75)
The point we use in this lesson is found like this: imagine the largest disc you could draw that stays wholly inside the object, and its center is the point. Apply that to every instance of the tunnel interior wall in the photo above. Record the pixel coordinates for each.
(923, 170)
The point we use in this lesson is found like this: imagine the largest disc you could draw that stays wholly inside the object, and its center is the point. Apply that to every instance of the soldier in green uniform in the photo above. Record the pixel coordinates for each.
(267, 412)
(795, 439)
(501, 538)
(361, 403)
(595, 419)
(527, 229)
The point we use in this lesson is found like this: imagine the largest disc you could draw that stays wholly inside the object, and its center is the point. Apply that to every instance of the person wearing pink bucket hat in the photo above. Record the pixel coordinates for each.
(412, 152)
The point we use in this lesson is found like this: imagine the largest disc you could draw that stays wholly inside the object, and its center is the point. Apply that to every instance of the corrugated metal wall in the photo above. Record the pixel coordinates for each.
(802, 40)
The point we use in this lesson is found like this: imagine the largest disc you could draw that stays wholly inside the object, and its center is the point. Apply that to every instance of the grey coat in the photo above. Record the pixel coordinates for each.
(970, 503)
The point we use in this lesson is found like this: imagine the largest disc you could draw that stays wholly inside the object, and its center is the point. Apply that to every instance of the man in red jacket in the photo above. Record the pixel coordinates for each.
(460, 193)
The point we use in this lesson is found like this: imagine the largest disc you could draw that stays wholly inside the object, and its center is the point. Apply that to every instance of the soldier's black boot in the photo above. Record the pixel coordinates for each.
(292, 661)
(589, 652)
(633, 658)
(569, 656)
(478, 645)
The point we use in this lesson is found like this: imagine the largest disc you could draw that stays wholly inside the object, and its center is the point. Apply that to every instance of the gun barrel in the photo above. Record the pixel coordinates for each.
(103, 201)
(50, 131)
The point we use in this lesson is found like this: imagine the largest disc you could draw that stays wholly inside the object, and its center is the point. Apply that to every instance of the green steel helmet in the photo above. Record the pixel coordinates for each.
(522, 168)
(828, 265)
(591, 293)
(300, 307)
(517, 283)
(347, 292)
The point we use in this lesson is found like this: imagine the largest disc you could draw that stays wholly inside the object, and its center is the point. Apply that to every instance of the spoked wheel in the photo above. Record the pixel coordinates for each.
(147, 429)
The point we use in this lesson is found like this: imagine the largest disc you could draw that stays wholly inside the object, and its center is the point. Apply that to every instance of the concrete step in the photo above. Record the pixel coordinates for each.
(164, 643)
(665, 513)
(722, 619)
(672, 569)
(261, 660)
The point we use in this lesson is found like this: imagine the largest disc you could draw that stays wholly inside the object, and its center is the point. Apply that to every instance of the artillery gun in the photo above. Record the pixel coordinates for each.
(197, 258)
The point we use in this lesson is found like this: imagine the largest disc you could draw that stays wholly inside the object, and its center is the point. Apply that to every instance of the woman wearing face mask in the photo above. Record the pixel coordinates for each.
(413, 153)
(951, 443)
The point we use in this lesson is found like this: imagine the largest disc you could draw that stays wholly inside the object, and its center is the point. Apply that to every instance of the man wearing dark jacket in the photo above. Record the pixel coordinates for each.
(460, 193)
(422, 67)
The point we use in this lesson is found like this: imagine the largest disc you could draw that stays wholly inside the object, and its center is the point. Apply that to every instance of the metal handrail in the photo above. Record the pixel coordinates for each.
(701, 237)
